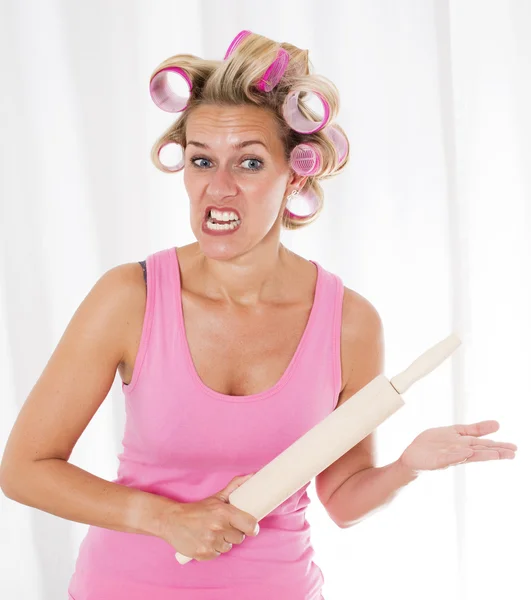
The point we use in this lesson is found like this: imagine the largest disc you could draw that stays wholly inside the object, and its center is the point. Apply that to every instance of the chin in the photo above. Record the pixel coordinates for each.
(217, 247)
(226, 246)
(217, 251)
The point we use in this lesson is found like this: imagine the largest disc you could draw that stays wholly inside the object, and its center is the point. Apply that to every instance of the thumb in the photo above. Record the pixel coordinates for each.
(235, 483)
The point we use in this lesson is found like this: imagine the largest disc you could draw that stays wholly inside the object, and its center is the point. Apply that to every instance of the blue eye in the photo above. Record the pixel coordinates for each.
(192, 161)
(254, 160)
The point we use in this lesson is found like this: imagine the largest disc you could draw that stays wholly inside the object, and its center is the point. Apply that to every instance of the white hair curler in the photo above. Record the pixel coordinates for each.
(162, 93)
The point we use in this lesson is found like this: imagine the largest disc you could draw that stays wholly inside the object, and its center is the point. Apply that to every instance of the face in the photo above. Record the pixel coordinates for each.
(251, 180)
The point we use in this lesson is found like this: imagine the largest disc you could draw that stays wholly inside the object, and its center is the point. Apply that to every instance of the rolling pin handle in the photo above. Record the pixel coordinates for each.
(425, 363)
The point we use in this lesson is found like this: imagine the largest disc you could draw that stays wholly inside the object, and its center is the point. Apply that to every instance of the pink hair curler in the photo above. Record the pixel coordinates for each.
(163, 95)
(166, 99)
(296, 120)
(236, 42)
(339, 141)
(306, 159)
(274, 72)
(270, 80)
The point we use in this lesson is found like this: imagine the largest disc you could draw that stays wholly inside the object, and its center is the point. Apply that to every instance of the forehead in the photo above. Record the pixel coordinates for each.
(230, 125)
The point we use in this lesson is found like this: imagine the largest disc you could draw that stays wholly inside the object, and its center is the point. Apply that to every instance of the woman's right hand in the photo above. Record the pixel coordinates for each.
(203, 530)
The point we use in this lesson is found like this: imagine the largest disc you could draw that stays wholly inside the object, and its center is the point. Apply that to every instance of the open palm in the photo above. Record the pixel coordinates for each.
(441, 447)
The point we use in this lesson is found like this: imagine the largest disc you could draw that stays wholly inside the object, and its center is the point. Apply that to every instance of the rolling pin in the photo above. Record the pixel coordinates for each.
(332, 437)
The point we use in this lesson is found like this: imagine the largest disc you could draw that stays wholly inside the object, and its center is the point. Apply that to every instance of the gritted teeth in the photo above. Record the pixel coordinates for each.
(227, 216)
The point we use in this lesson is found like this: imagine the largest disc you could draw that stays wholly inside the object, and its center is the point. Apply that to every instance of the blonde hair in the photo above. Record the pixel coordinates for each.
(231, 82)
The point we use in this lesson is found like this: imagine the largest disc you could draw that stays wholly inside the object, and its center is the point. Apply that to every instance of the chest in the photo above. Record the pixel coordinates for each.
(240, 352)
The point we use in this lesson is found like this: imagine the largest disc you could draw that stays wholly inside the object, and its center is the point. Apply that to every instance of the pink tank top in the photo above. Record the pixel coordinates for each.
(186, 441)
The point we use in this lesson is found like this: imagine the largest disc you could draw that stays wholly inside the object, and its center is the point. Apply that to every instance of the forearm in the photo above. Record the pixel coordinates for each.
(63, 489)
(366, 491)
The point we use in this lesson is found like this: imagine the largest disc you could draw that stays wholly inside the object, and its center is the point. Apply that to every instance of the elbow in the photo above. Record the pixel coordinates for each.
(8, 492)
(366, 515)
(11, 477)
(7, 489)
(6, 483)
(340, 522)
(349, 524)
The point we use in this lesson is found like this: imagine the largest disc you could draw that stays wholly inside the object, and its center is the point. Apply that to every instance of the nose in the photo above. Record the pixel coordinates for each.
(222, 183)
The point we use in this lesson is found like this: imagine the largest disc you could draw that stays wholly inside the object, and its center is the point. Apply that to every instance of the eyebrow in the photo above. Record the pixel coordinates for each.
(236, 146)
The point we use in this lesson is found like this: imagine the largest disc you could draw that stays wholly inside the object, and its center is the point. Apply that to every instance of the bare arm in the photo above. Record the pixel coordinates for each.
(352, 488)
(77, 378)
(62, 489)
(366, 492)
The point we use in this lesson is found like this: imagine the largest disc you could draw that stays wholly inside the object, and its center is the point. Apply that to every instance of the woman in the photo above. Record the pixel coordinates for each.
(229, 349)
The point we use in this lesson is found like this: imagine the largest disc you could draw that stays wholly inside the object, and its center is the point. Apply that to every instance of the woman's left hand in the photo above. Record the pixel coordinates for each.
(442, 447)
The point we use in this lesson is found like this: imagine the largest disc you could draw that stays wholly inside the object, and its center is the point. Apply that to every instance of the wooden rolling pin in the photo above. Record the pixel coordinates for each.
(337, 433)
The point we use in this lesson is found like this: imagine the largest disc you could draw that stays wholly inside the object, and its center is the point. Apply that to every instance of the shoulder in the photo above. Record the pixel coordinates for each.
(124, 281)
(360, 317)
(362, 343)
(123, 290)
(124, 286)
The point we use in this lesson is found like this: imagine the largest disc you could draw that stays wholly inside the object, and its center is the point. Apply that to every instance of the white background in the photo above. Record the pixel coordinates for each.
(431, 221)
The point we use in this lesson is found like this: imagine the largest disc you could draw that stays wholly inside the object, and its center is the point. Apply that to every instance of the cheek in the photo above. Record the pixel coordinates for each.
(187, 179)
(193, 186)
(264, 189)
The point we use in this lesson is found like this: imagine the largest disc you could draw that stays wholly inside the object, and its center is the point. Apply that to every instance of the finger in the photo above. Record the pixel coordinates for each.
(471, 441)
(205, 557)
(502, 452)
(242, 521)
(495, 446)
(478, 429)
(490, 454)
(222, 546)
(226, 546)
(233, 536)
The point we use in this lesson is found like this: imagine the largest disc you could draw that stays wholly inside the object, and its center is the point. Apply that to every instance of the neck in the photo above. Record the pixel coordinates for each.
(247, 280)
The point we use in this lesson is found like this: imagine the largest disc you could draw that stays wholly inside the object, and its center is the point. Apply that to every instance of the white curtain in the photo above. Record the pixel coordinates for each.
(431, 222)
